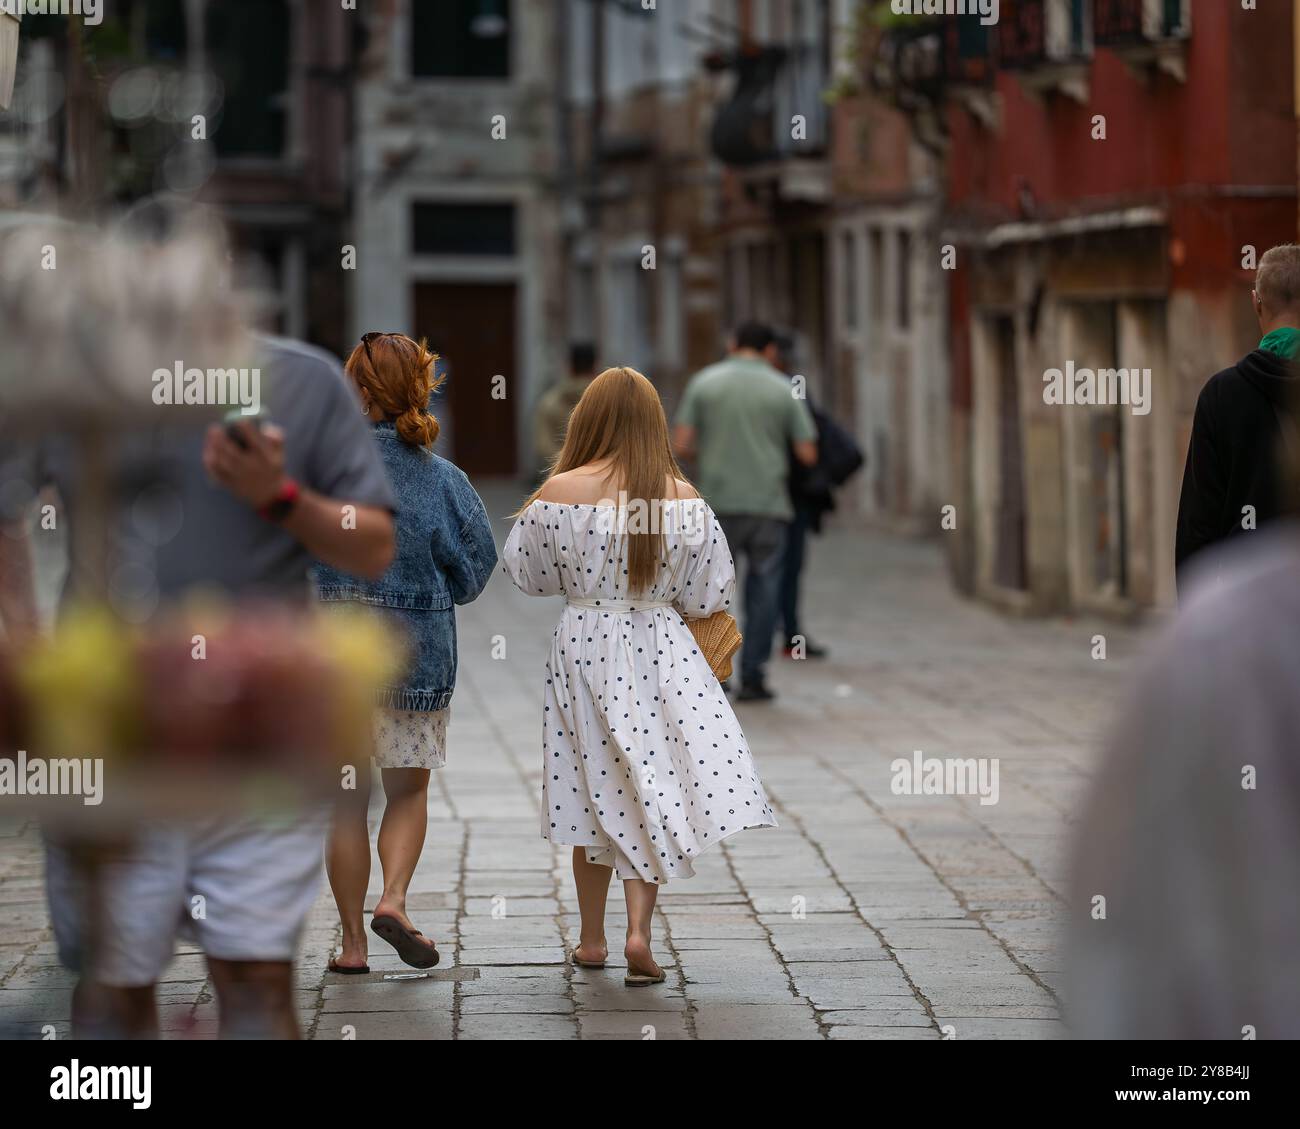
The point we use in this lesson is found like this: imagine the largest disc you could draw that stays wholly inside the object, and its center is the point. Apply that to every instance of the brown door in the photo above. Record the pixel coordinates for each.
(472, 327)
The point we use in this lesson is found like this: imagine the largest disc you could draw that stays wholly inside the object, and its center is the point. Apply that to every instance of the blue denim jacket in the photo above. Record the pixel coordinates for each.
(445, 555)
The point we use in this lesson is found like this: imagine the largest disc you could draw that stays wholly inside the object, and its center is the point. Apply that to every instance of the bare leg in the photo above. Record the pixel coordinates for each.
(592, 881)
(401, 836)
(347, 861)
(255, 998)
(101, 1012)
(641, 898)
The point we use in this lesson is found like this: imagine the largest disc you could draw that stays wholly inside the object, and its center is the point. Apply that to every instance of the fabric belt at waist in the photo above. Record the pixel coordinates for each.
(619, 606)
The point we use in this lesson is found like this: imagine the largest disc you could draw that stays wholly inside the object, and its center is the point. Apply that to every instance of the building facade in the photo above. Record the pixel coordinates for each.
(830, 210)
(456, 209)
(1113, 169)
(241, 104)
(639, 185)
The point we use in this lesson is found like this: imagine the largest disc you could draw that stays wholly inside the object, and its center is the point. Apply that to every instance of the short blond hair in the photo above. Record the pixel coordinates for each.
(1278, 280)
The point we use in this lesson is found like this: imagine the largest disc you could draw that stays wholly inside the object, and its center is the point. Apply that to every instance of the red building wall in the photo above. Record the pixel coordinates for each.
(1231, 124)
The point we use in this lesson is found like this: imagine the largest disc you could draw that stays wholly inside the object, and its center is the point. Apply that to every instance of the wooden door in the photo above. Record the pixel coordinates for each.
(472, 327)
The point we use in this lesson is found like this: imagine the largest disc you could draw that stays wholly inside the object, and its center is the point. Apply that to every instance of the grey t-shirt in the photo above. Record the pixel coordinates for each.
(177, 530)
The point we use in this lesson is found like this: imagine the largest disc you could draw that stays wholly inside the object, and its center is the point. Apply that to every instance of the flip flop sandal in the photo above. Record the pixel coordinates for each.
(573, 956)
(637, 980)
(411, 944)
(347, 969)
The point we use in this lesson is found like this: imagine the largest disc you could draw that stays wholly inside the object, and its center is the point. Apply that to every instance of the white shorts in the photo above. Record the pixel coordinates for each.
(239, 888)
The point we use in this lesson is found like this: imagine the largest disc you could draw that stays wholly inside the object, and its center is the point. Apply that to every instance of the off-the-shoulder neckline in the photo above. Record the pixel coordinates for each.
(544, 502)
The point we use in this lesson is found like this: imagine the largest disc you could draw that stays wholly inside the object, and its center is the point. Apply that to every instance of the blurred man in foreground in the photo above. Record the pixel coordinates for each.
(241, 509)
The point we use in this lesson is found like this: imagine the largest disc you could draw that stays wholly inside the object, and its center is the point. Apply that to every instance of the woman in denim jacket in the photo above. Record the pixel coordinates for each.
(445, 554)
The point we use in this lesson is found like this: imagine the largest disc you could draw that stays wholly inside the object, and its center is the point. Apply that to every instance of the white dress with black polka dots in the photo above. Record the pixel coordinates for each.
(645, 763)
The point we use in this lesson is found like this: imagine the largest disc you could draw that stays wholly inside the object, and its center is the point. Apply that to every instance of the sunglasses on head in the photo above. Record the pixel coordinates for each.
(366, 338)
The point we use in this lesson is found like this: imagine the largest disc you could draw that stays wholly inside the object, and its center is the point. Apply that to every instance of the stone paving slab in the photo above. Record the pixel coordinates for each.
(866, 915)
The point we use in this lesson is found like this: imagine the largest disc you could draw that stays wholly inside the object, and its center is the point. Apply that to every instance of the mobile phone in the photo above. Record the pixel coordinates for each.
(233, 432)
(236, 436)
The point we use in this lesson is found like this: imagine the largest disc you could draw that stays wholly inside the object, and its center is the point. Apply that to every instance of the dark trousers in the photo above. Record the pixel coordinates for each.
(761, 542)
(796, 544)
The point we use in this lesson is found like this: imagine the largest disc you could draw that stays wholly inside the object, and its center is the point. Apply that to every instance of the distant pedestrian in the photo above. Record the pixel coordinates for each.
(812, 496)
(644, 764)
(445, 555)
(557, 404)
(1241, 426)
(739, 420)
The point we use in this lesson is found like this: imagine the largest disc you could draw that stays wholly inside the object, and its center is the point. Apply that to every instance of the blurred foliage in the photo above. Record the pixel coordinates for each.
(101, 44)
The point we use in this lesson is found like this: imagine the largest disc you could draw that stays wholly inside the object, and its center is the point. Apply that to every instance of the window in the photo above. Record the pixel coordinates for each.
(849, 261)
(582, 301)
(671, 326)
(1070, 27)
(160, 28)
(463, 229)
(1176, 17)
(758, 277)
(460, 39)
(626, 311)
(904, 280)
(1079, 26)
(248, 48)
(876, 283)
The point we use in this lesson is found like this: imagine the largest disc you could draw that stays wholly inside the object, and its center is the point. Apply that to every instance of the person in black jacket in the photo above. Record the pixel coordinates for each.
(1231, 482)
(811, 495)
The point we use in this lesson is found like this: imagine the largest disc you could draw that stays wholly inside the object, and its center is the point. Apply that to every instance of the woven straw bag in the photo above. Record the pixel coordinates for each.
(718, 638)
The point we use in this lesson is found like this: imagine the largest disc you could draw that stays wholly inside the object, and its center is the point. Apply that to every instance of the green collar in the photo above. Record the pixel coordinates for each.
(1284, 342)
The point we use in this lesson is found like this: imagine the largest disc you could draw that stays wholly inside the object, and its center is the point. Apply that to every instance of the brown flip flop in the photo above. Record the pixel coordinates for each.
(347, 969)
(411, 945)
(573, 956)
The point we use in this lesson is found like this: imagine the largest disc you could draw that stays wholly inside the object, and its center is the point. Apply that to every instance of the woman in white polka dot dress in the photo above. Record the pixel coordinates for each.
(645, 763)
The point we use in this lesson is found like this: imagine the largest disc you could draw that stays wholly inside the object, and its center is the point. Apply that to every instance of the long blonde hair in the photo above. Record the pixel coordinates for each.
(620, 418)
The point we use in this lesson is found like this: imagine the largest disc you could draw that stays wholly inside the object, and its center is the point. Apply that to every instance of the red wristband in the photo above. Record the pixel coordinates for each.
(281, 506)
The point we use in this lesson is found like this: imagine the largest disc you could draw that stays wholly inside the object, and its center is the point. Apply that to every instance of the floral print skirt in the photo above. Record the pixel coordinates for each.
(410, 738)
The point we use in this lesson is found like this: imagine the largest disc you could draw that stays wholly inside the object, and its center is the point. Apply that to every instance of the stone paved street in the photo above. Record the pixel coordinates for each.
(866, 915)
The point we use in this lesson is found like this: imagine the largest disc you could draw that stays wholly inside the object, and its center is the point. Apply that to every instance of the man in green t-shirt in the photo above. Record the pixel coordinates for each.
(738, 421)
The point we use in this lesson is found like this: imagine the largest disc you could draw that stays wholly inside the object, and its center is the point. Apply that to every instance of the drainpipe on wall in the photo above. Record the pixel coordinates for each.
(8, 57)
(595, 212)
